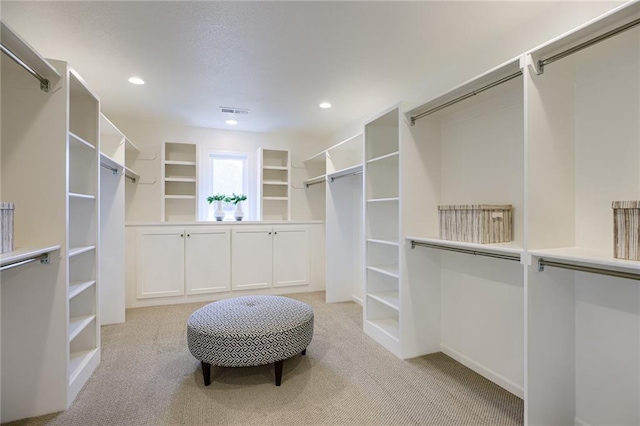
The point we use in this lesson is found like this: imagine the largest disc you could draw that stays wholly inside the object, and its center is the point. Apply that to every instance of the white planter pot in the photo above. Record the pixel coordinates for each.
(238, 214)
(218, 213)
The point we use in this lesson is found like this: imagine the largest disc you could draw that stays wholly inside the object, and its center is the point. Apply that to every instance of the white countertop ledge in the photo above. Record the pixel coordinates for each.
(229, 223)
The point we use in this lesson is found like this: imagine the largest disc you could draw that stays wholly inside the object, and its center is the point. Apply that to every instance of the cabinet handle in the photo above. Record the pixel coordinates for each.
(189, 235)
(276, 233)
(181, 235)
(269, 233)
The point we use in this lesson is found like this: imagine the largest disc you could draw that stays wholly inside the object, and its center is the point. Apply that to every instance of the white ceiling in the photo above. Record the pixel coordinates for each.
(278, 59)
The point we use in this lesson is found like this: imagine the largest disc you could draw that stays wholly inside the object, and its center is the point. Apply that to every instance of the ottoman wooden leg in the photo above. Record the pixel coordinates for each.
(206, 372)
(278, 367)
(304, 351)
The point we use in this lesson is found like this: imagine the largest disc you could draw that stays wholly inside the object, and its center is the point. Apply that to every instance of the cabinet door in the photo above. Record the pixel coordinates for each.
(251, 257)
(207, 260)
(160, 262)
(290, 256)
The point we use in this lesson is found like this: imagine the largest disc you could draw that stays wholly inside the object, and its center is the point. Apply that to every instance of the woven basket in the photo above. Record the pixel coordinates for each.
(476, 223)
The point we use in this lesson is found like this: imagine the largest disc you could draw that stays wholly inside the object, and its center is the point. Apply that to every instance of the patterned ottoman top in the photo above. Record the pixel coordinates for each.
(250, 315)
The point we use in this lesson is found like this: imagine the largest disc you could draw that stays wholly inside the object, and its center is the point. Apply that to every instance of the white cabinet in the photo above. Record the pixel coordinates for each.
(175, 260)
(290, 256)
(265, 256)
(252, 258)
(160, 262)
(207, 260)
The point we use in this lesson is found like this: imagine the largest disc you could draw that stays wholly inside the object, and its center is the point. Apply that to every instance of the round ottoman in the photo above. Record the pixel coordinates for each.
(249, 331)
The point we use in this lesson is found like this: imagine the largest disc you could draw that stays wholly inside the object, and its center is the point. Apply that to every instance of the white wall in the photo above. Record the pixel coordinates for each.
(144, 198)
(552, 23)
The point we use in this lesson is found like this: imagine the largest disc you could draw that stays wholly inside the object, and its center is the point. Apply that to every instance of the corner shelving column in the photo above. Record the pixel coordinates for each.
(179, 182)
(275, 185)
(112, 244)
(382, 230)
(344, 221)
(83, 234)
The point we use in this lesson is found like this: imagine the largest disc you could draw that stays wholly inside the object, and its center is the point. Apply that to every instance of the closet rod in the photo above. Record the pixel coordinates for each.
(44, 83)
(43, 258)
(466, 96)
(130, 177)
(108, 167)
(466, 251)
(347, 175)
(542, 263)
(543, 62)
(314, 183)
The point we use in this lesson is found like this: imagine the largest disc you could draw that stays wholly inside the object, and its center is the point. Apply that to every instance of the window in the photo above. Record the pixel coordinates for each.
(227, 173)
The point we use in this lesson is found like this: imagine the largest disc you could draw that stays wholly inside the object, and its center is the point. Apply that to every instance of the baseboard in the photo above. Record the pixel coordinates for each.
(580, 422)
(482, 370)
(358, 300)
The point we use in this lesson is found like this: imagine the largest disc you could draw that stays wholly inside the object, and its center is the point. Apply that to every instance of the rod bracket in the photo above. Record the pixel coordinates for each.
(44, 85)
(540, 266)
(413, 244)
(46, 259)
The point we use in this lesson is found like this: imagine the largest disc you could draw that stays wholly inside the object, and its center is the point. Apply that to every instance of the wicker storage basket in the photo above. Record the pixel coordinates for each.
(476, 223)
(626, 230)
(6, 227)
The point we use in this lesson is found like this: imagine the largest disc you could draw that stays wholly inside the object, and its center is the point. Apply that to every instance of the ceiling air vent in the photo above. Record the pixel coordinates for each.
(228, 110)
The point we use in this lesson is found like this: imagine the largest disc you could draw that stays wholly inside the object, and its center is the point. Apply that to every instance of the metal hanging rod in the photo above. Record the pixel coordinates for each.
(513, 257)
(333, 178)
(314, 183)
(108, 167)
(131, 177)
(463, 97)
(44, 83)
(618, 274)
(543, 62)
(43, 258)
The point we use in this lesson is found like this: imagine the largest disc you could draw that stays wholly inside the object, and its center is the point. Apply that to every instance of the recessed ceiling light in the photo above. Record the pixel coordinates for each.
(231, 122)
(325, 105)
(136, 80)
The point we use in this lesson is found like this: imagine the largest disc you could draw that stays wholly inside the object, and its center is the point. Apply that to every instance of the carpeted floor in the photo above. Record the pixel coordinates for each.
(148, 377)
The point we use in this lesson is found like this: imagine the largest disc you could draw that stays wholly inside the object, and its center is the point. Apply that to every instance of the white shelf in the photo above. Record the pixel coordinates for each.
(275, 167)
(179, 163)
(82, 196)
(320, 157)
(390, 326)
(389, 298)
(28, 55)
(383, 200)
(110, 162)
(24, 254)
(78, 141)
(180, 197)
(501, 248)
(386, 242)
(180, 179)
(391, 270)
(589, 257)
(346, 171)
(75, 288)
(392, 156)
(77, 324)
(275, 182)
(130, 173)
(74, 251)
(275, 198)
(321, 178)
(78, 361)
(130, 146)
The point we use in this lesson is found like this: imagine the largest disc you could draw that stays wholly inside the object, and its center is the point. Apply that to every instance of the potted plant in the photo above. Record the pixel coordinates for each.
(217, 200)
(237, 199)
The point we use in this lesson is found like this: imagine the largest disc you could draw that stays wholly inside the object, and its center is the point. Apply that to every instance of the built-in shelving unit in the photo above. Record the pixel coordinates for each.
(83, 229)
(114, 150)
(179, 182)
(275, 185)
(382, 226)
(583, 113)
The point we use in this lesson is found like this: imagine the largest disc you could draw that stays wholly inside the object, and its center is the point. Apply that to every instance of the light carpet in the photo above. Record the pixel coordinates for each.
(148, 377)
